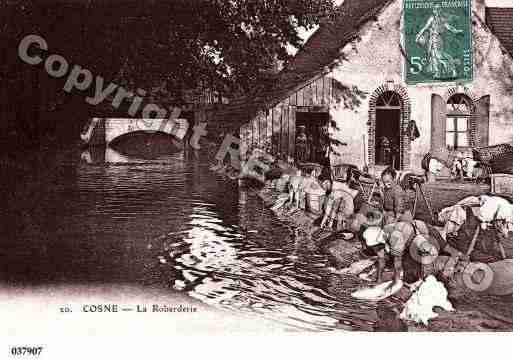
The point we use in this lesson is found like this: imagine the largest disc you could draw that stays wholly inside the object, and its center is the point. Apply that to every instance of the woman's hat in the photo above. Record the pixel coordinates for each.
(423, 250)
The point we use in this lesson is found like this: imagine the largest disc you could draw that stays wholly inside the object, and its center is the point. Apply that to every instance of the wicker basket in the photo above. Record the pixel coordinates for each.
(491, 153)
(343, 172)
(503, 164)
(307, 168)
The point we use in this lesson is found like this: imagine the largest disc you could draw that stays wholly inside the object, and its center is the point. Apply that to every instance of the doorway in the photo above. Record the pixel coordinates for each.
(312, 138)
(388, 130)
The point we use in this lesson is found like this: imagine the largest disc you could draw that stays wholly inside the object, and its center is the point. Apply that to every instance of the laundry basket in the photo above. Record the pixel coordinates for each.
(491, 153)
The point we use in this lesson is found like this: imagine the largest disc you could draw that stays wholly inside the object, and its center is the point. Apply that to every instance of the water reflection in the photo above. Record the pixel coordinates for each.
(254, 266)
(170, 222)
(104, 155)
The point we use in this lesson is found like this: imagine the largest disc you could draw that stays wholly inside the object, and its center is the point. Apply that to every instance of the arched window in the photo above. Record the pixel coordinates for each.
(389, 99)
(459, 110)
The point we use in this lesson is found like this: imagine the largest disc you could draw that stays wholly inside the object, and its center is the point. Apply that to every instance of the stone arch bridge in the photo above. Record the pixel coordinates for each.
(102, 131)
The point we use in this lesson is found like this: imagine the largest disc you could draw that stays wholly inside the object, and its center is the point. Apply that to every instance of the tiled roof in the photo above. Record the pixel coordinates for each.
(500, 21)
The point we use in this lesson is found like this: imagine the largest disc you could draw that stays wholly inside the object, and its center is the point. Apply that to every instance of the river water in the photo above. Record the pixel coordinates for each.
(168, 223)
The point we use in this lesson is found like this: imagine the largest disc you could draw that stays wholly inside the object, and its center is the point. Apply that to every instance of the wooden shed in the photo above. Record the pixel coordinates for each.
(304, 92)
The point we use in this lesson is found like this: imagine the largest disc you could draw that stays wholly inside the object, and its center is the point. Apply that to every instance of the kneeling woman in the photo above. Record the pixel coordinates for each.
(339, 204)
(414, 243)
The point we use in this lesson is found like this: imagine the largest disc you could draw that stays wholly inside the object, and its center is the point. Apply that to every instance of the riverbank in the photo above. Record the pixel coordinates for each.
(220, 244)
(472, 313)
(340, 252)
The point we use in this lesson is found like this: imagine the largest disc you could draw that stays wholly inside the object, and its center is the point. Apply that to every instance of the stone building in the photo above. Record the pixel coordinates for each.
(349, 78)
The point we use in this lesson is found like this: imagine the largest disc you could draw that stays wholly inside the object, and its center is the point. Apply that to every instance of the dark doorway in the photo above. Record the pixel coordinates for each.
(388, 130)
(312, 137)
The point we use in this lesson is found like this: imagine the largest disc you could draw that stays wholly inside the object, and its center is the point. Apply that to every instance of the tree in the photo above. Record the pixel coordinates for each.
(230, 46)
(164, 47)
(227, 45)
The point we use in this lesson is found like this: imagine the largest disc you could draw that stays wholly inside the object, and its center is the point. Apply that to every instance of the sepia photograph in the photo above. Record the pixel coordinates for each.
(254, 167)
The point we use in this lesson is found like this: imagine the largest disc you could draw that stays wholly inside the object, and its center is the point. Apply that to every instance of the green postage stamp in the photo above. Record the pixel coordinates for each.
(438, 41)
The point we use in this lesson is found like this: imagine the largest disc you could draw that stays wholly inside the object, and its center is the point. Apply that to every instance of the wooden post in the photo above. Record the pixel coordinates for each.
(473, 242)
(415, 201)
(501, 249)
(427, 204)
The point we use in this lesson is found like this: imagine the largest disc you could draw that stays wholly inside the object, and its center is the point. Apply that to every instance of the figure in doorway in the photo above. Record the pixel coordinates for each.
(302, 147)
(385, 150)
(323, 148)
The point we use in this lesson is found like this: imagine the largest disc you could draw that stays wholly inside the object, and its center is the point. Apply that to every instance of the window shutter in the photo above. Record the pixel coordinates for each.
(482, 120)
(438, 123)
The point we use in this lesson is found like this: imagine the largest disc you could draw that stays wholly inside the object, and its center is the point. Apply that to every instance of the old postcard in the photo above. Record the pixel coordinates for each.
(201, 168)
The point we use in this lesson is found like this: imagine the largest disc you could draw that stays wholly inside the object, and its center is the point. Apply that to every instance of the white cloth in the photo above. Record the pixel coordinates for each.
(495, 208)
(430, 294)
(469, 201)
(374, 236)
(456, 214)
(468, 166)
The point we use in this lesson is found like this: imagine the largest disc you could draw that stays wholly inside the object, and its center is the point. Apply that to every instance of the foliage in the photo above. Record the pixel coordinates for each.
(231, 46)
(350, 97)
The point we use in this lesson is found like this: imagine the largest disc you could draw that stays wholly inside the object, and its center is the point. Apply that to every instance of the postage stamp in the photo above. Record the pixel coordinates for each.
(438, 41)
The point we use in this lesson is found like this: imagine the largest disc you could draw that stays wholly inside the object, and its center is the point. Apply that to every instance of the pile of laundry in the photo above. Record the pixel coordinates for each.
(494, 217)
(429, 294)
(493, 212)
(465, 167)
(424, 295)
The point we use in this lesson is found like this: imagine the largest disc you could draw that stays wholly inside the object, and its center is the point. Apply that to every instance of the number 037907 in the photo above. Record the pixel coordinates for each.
(25, 351)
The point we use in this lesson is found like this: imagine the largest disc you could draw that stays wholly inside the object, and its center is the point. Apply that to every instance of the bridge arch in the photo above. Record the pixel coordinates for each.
(146, 144)
(117, 127)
